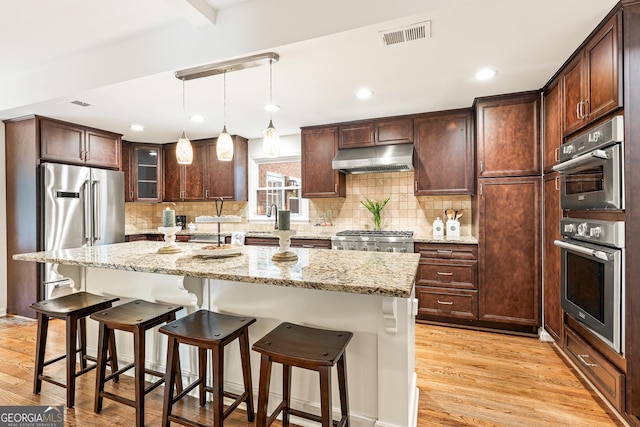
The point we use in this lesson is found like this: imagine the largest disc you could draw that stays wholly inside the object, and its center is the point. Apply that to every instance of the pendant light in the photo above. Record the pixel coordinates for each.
(271, 141)
(184, 151)
(224, 146)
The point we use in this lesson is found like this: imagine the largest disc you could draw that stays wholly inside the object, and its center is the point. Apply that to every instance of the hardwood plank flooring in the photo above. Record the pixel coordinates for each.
(466, 378)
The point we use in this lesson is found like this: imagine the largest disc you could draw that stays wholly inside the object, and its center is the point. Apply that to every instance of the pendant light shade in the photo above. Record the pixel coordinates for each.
(224, 145)
(271, 141)
(184, 151)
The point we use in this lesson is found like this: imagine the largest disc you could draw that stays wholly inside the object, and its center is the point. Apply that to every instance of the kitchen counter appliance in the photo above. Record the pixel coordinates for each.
(373, 241)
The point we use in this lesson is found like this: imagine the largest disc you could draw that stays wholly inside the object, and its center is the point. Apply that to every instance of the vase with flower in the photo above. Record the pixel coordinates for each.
(375, 207)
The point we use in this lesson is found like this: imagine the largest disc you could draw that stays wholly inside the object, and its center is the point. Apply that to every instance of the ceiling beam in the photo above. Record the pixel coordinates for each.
(196, 12)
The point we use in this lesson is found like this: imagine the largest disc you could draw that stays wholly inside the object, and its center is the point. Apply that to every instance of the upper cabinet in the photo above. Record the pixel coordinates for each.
(142, 167)
(206, 177)
(591, 82)
(552, 99)
(70, 143)
(444, 153)
(318, 148)
(507, 134)
(378, 132)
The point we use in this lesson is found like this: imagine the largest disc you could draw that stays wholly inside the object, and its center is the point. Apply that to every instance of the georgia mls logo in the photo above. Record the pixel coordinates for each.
(31, 416)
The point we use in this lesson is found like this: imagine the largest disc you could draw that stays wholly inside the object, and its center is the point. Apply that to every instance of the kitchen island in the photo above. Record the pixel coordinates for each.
(370, 294)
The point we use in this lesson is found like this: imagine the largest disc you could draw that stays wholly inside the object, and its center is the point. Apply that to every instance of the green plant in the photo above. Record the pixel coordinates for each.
(375, 207)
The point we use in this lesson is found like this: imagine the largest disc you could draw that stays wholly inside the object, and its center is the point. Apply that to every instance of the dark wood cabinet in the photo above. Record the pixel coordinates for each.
(126, 163)
(142, 167)
(552, 99)
(444, 161)
(553, 314)
(206, 178)
(508, 135)
(318, 148)
(509, 250)
(69, 143)
(376, 132)
(446, 283)
(592, 80)
(295, 243)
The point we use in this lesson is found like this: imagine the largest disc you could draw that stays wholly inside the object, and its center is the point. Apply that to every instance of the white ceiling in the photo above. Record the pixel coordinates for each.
(120, 56)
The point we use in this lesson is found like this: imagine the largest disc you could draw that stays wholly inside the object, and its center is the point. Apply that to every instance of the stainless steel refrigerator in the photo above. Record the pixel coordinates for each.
(82, 207)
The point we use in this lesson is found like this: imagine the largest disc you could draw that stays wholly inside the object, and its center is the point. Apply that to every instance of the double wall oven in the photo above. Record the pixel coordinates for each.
(592, 250)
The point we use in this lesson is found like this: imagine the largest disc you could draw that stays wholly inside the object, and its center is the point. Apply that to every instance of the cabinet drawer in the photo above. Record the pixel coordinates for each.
(456, 274)
(311, 243)
(462, 304)
(443, 251)
(606, 377)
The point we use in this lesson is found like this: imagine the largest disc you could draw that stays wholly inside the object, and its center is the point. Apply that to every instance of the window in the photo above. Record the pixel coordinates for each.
(276, 182)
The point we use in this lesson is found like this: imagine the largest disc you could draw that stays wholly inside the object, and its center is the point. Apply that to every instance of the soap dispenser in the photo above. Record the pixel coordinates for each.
(438, 229)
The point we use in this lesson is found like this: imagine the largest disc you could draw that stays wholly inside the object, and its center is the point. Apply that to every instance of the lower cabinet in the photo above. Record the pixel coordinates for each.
(602, 373)
(295, 243)
(509, 251)
(446, 283)
(553, 318)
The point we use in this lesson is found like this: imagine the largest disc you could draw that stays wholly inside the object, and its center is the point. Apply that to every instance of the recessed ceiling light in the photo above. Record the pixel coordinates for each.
(136, 127)
(364, 93)
(197, 118)
(272, 107)
(486, 74)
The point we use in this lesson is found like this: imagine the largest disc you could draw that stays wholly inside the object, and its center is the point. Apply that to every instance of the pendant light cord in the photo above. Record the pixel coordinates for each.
(270, 89)
(224, 97)
(184, 110)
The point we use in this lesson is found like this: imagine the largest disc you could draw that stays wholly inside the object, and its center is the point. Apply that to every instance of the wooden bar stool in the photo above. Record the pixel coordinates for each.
(73, 309)
(309, 348)
(137, 317)
(208, 331)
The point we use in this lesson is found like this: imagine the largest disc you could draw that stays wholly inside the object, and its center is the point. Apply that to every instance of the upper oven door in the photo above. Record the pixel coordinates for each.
(592, 180)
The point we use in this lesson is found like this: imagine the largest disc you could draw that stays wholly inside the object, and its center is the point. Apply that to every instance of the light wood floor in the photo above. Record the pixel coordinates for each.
(466, 378)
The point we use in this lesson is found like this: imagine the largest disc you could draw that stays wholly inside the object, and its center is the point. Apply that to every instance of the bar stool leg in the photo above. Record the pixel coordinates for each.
(246, 374)
(114, 356)
(173, 355)
(344, 393)
(138, 368)
(41, 344)
(202, 373)
(103, 340)
(286, 394)
(82, 334)
(72, 331)
(325, 396)
(217, 362)
(263, 390)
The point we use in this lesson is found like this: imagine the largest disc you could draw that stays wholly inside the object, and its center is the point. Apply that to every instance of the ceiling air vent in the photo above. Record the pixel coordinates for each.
(81, 104)
(418, 31)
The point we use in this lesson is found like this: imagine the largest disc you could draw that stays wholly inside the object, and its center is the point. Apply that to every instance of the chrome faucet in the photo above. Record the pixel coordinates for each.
(273, 206)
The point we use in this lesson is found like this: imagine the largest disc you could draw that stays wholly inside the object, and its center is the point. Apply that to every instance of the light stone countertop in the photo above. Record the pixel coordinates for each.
(373, 273)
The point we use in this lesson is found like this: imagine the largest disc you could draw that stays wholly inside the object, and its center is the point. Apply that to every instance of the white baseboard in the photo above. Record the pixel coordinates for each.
(3, 312)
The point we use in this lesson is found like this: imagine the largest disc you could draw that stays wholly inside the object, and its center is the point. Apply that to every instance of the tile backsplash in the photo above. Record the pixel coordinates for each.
(403, 212)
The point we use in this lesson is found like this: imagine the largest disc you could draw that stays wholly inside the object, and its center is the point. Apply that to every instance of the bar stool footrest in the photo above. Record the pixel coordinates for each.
(52, 380)
(185, 422)
(313, 417)
(118, 398)
(186, 390)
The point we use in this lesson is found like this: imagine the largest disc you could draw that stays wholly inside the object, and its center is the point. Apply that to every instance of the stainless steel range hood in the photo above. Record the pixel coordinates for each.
(381, 158)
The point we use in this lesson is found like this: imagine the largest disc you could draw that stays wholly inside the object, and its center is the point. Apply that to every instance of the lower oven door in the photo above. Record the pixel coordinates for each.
(592, 180)
(592, 288)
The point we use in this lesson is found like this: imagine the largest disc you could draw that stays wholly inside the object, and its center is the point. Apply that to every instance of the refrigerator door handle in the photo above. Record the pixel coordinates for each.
(86, 219)
(96, 210)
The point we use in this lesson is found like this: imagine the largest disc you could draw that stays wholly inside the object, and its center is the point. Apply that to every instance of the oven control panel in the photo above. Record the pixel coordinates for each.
(610, 233)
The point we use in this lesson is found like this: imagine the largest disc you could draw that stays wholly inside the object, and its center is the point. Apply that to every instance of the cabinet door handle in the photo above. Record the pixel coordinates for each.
(132, 195)
(556, 154)
(335, 188)
(582, 356)
(445, 251)
(415, 186)
(206, 194)
(481, 166)
(557, 183)
(308, 246)
(440, 273)
(578, 105)
(445, 302)
(87, 155)
(480, 189)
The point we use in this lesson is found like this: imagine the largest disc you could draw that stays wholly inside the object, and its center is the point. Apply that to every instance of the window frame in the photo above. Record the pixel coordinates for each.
(253, 176)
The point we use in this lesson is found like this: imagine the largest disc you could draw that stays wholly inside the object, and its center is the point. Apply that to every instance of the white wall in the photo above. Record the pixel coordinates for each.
(3, 226)
(289, 146)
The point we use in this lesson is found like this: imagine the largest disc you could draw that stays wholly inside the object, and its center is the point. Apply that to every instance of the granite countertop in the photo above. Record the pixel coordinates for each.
(373, 273)
(464, 240)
